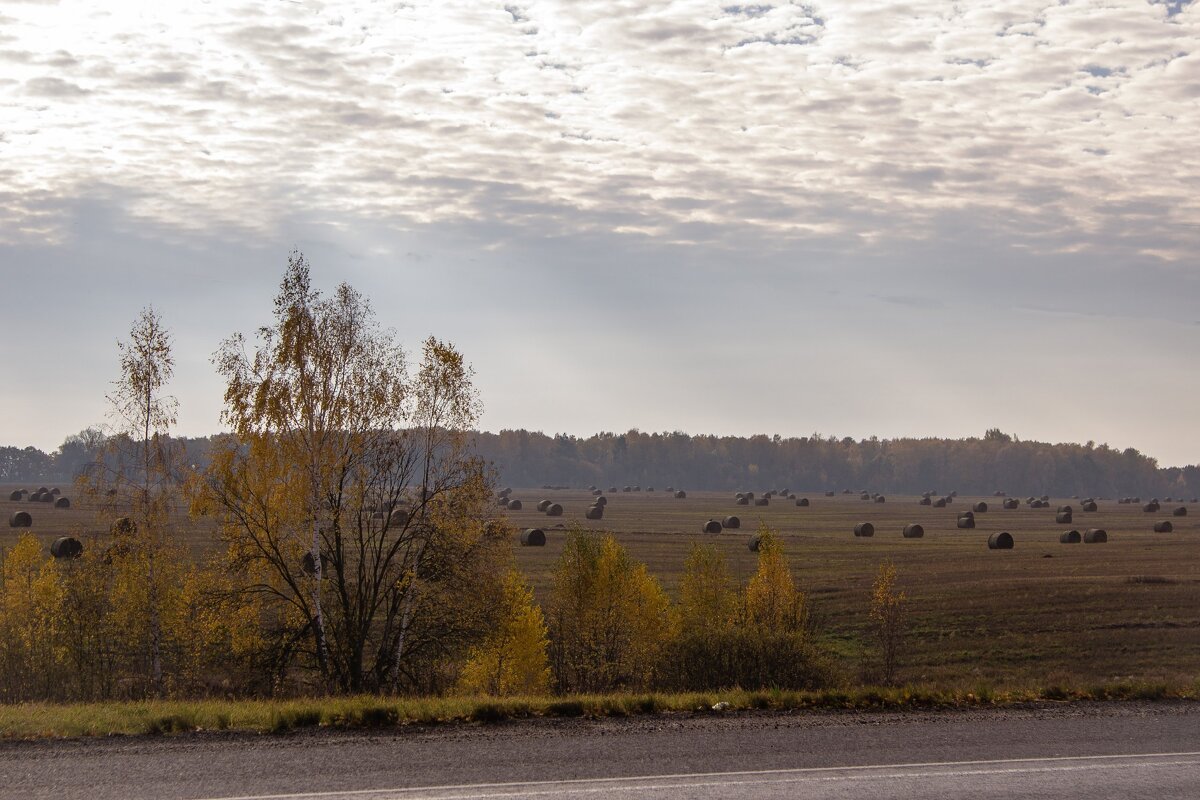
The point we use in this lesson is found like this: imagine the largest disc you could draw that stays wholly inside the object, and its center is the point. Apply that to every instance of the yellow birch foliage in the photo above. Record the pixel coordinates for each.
(772, 600)
(707, 595)
(32, 597)
(610, 620)
(512, 659)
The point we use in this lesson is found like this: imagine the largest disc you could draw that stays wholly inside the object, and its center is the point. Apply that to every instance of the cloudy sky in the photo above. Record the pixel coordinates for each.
(856, 218)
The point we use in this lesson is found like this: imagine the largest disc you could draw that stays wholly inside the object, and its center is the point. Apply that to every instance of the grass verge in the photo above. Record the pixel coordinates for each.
(164, 717)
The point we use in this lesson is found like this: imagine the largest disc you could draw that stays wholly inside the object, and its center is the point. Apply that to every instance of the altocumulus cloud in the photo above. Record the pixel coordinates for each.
(1034, 157)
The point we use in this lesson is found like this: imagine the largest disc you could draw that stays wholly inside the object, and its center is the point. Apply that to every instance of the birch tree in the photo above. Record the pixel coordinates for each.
(350, 481)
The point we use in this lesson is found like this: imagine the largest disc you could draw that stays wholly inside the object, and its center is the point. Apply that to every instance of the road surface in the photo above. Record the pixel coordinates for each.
(1093, 751)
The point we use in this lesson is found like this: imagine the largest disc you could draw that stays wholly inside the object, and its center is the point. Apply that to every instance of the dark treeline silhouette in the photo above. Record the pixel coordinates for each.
(995, 462)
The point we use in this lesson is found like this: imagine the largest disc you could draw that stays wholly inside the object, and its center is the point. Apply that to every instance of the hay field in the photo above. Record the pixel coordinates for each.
(1041, 614)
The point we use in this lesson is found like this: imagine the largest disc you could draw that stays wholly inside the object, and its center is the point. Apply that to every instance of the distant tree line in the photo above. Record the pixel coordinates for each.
(995, 461)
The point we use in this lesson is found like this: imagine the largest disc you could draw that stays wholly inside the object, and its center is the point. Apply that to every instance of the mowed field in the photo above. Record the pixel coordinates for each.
(1042, 614)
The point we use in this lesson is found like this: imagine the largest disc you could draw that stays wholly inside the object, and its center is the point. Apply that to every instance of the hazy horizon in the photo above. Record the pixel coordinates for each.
(856, 218)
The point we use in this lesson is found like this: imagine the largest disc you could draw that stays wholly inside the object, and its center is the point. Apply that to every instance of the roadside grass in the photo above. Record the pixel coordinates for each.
(367, 712)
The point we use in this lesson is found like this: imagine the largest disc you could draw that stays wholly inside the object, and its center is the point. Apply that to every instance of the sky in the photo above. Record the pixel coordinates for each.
(863, 218)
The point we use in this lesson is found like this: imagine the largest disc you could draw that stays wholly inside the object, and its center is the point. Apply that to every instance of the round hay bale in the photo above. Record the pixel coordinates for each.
(57, 491)
(880, 499)
(670, 488)
(1062, 518)
(1070, 537)
(310, 566)
(597, 493)
(626, 488)
(762, 501)
(966, 514)
(1089, 505)
(1095, 536)
(865, 496)
(514, 505)
(925, 501)
(66, 547)
(939, 503)
(1002, 540)
(680, 495)
(712, 526)
(637, 488)
(16, 495)
(829, 494)
(554, 510)
(600, 501)
(20, 519)
(503, 493)
(533, 537)
(864, 529)
(543, 505)
(502, 501)
(1180, 511)
(398, 516)
(965, 523)
(980, 507)
(742, 501)
(42, 490)
(913, 531)
(755, 543)
(1163, 527)
(731, 522)
(1010, 503)
(1150, 508)
(36, 497)
(748, 495)
(802, 502)
(62, 502)
(613, 490)
(594, 512)
(46, 497)
(124, 526)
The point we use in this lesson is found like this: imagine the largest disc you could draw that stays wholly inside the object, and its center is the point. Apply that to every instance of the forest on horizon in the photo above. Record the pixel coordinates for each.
(997, 461)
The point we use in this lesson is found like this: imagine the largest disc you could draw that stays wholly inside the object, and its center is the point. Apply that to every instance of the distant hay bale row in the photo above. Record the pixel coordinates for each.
(533, 537)
(829, 494)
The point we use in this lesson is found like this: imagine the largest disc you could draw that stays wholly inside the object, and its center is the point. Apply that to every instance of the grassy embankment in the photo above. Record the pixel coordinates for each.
(46, 720)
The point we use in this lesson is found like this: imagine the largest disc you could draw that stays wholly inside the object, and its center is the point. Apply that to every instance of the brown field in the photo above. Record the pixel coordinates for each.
(1042, 614)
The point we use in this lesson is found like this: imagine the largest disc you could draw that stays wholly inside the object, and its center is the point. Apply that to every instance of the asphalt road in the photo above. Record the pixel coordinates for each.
(1097, 751)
